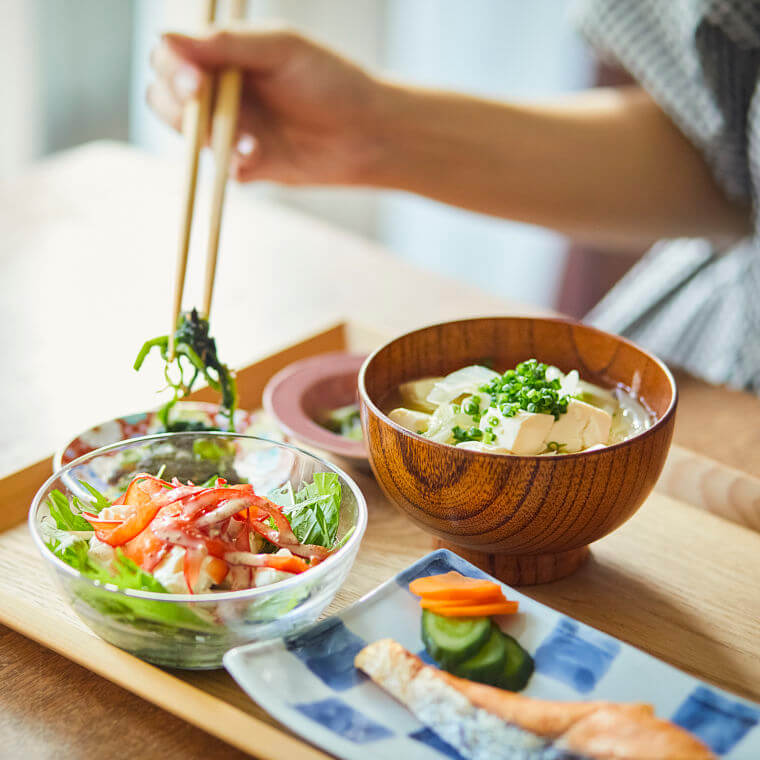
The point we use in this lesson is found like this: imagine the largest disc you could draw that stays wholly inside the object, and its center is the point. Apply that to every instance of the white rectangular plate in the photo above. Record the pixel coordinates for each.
(309, 682)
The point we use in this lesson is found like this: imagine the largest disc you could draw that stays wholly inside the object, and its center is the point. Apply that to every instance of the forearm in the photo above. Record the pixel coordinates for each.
(606, 166)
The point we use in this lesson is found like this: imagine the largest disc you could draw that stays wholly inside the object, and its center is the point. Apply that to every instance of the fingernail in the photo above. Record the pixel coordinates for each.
(186, 82)
(245, 145)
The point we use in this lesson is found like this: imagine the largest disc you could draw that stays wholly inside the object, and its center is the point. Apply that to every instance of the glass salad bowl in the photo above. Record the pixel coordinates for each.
(195, 630)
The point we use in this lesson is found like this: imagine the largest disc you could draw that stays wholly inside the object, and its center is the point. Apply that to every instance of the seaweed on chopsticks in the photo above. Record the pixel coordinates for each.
(195, 356)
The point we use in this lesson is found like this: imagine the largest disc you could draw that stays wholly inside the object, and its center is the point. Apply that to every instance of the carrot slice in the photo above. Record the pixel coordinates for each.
(217, 569)
(455, 586)
(470, 610)
(196, 560)
(483, 595)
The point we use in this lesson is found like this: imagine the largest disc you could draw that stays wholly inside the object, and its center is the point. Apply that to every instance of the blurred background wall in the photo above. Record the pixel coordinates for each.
(80, 68)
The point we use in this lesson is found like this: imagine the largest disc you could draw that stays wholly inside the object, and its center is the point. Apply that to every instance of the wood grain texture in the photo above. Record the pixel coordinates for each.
(540, 512)
(719, 422)
(76, 715)
(662, 582)
(725, 491)
(74, 231)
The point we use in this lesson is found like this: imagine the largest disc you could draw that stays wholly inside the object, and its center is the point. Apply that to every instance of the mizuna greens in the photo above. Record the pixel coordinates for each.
(195, 356)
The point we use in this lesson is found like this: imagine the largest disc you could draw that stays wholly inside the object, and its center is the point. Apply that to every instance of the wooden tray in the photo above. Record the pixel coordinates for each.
(676, 581)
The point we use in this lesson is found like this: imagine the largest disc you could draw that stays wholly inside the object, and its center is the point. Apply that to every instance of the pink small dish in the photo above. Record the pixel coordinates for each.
(298, 394)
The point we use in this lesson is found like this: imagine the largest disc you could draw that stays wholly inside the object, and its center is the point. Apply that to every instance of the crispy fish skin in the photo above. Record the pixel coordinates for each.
(486, 723)
(611, 735)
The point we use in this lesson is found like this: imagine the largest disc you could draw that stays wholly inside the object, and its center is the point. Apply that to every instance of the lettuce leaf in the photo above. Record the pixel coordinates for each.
(315, 515)
(61, 511)
(283, 496)
(99, 502)
(122, 573)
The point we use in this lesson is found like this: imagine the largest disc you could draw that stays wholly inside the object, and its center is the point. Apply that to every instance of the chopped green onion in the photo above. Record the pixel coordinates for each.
(526, 387)
(461, 435)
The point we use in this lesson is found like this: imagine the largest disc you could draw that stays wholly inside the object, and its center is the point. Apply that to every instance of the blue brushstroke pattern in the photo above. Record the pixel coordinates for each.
(441, 561)
(718, 721)
(328, 650)
(576, 655)
(335, 714)
(432, 740)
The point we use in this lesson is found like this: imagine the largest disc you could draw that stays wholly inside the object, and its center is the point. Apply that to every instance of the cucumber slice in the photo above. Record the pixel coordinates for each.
(452, 640)
(518, 667)
(487, 664)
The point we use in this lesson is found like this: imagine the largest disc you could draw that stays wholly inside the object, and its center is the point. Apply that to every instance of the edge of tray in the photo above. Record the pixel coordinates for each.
(190, 703)
(735, 493)
(212, 714)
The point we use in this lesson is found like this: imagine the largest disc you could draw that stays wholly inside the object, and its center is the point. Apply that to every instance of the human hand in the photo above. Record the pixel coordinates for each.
(307, 115)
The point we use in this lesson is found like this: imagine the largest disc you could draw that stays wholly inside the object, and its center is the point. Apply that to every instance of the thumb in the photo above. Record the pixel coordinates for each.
(255, 48)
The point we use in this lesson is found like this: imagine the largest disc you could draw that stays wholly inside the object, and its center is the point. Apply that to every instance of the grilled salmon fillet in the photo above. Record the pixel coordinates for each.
(486, 723)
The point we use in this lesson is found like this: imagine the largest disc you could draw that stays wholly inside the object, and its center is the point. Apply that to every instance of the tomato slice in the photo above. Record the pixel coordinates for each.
(243, 540)
(142, 497)
(310, 551)
(143, 476)
(96, 522)
(191, 567)
(146, 549)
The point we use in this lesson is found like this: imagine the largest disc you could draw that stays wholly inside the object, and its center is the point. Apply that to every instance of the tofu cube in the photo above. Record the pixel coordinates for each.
(582, 426)
(525, 433)
(101, 552)
(170, 573)
(265, 576)
(414, 394)
(411, 420)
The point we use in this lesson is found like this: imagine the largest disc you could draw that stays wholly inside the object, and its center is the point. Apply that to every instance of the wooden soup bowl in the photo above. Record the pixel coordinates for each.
(524, 519)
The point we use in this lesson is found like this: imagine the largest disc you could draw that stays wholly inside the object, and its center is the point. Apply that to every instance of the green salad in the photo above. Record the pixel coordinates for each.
(179, 538)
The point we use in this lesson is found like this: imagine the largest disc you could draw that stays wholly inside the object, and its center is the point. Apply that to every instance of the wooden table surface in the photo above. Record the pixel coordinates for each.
(86, 261)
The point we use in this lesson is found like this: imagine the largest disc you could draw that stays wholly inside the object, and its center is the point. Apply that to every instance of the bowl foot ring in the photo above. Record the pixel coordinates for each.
(522, 569)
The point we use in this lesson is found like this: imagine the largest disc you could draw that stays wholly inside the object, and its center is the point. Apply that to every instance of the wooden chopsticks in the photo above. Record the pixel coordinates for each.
(195, 127)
